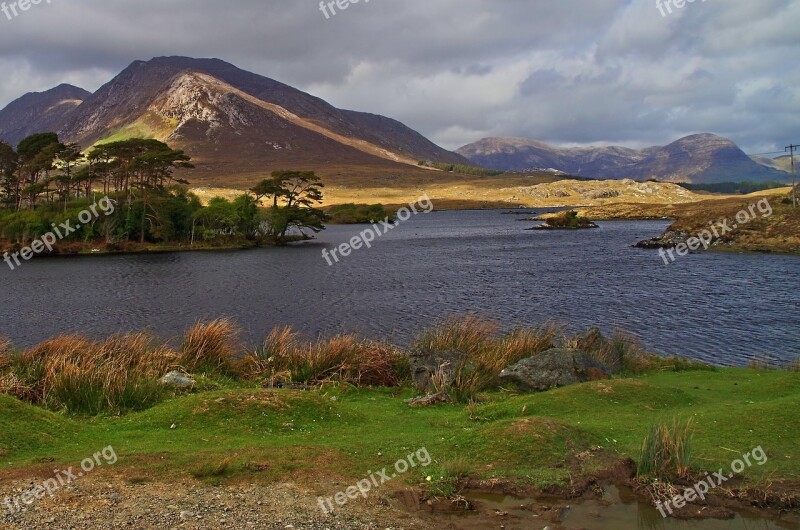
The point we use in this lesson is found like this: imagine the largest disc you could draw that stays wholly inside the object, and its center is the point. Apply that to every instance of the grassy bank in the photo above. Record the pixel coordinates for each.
(778, 232)
(67, 397)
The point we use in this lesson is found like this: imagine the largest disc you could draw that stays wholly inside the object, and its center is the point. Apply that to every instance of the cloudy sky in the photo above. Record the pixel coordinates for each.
(565, 71)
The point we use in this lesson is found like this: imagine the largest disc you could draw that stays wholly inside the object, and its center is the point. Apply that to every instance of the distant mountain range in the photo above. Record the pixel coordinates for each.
(700, 158)
(230, 121)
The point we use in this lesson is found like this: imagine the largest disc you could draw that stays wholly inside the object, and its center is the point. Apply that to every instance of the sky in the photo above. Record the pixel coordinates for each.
(569, 72)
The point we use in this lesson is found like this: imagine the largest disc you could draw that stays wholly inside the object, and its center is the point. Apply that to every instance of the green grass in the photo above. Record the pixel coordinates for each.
(237, 433)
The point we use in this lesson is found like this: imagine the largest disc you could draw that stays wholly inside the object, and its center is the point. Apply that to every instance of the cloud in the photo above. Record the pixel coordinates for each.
(570, 72)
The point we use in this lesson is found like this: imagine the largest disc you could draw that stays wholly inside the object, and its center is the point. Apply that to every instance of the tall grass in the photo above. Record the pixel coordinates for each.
(481, 351)
(624, 353)
(343, 358)
(122, 373)
(88, 377)
(667, 451)
(210, 347)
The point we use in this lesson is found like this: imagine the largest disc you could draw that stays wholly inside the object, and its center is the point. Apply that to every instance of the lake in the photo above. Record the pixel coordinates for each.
(719, 307)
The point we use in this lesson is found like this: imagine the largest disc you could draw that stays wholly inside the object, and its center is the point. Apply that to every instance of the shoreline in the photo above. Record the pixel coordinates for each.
(324, 432)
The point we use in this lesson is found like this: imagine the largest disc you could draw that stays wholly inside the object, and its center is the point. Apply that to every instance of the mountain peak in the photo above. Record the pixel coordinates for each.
(234, 123)
(37, 112)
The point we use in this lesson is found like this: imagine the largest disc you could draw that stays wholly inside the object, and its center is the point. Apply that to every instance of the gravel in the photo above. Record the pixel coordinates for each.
(103, 504)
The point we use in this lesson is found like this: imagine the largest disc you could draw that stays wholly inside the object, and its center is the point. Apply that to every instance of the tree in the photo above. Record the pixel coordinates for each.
(9, 181)
(67, 157)
(139, 168)
(37, 154)
(294, 195)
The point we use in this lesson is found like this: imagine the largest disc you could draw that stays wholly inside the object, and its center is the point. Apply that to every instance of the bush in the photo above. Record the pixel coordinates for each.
(569, 219)
(358, 214)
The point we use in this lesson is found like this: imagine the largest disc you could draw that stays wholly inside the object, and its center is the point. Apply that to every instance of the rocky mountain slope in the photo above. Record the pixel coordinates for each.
(232, 122)
(696, 158)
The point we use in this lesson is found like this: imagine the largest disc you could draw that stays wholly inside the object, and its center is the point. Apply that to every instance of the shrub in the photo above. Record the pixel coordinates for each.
(569, 219)
(359, 214)
(666, 451)
(210, 347)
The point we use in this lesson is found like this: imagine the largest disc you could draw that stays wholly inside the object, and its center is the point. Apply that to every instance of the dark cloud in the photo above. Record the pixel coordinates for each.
(571, 71)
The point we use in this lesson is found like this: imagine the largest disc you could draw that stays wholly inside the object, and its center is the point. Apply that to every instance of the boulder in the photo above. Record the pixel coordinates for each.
(177, 379)
(554, 368)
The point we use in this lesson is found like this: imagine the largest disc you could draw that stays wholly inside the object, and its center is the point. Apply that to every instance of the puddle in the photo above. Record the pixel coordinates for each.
(619, 509)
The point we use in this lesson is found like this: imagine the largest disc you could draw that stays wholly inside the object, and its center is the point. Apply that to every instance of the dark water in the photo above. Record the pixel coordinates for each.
(619, 509)
(724, 308)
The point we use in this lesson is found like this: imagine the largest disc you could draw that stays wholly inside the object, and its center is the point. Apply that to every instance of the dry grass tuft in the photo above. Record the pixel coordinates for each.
(210, 347)
(343, 358)
(88, 377)
(482, 351)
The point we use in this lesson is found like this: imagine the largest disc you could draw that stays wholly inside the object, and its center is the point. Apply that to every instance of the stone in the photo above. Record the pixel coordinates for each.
(425, 364)
(554, 368)
(178, 379)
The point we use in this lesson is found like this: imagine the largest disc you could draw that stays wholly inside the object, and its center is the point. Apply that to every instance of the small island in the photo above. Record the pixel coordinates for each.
(568, 220)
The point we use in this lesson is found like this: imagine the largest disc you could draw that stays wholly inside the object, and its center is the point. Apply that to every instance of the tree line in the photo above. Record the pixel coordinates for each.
(45, 181)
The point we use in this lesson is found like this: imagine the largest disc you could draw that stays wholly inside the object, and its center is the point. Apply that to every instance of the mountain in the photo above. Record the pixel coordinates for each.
(781, 163)
(39, 112)
(698, 158)
(233, 123)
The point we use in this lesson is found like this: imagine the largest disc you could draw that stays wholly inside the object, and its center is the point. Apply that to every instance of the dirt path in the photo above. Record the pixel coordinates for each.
(98, 503)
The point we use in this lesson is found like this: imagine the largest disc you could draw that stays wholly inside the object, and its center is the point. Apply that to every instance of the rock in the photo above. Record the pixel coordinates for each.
(600, 349)
(554, 368)
(424, 364)
(427, 401)
(590, 340)
(178, 379)
(668, 239)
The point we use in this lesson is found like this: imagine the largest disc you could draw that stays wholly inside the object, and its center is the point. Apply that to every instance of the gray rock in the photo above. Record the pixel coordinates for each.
(178, 379)
(424, 364)
(554, 368)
